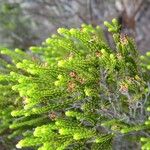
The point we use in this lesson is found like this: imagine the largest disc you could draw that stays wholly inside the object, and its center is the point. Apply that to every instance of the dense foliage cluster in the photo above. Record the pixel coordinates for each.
(76, 92)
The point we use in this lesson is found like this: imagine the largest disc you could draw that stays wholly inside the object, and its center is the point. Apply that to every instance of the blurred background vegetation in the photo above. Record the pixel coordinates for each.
(28, 22)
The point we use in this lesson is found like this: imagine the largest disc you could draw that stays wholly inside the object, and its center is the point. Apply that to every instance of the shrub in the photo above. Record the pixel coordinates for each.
(76, 92)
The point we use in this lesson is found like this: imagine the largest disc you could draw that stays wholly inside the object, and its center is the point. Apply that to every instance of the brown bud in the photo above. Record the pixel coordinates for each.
(72, 74)
(123, 88)
(119, 56)
(82, 81)
(52, 115)
(123, 39)
(98, 54)
(71, 86)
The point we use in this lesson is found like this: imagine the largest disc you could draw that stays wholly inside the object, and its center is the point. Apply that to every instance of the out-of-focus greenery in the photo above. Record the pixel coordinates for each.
(15, 27)
(28, 22)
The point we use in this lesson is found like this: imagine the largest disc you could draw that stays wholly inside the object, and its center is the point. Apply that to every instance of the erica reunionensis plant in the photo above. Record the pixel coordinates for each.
(76, 92)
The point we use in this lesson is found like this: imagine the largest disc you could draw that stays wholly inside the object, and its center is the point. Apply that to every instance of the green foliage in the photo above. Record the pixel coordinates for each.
(76, 92)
